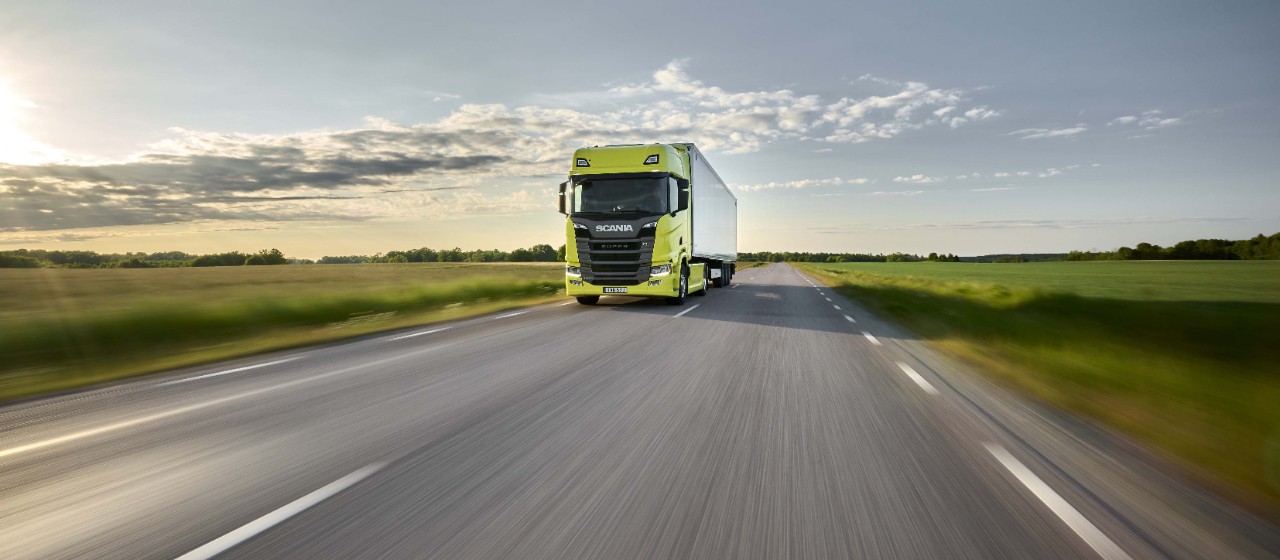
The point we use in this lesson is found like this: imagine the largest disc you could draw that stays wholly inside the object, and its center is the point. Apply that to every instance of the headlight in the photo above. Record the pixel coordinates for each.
(660, 270)
(652, 224)
(573, 271)
(578, 226)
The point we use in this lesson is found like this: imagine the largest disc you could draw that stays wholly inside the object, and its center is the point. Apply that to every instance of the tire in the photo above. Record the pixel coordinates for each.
(684, 287)
(588, 300)
(727, 274)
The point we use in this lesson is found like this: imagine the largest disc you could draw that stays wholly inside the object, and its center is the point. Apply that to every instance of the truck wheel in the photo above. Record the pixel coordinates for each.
(727, 275)
(684, 287)
(588, 300)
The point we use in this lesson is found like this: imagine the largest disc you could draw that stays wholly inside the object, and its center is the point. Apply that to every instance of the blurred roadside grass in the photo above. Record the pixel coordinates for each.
(64, 328)
(1195, 375)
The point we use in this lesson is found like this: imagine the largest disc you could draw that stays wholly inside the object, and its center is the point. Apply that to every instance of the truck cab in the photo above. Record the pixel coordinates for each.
(629, 224)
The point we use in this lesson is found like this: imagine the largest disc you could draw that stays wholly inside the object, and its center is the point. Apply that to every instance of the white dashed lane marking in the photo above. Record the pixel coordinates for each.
(250, 530)
(235, 370)
(411, 335)
(924, 384)
(1077, 522)
(685, 311)
(871, 338)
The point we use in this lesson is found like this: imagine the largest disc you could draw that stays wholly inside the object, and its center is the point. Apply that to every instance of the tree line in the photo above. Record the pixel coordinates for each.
(40, 258)
(1260, 247)
(537, 253)
(793, 256)
(1255, 248)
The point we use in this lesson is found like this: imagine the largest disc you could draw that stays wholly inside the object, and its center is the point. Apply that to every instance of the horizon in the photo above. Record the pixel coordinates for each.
(883, 128)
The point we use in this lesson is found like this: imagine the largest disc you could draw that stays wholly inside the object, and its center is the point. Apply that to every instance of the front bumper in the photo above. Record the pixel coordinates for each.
(661, 286)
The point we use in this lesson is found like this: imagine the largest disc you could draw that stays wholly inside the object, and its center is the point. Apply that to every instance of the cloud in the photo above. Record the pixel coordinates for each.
(801, 184)
(739, 122)
(917, 179)
(974, 114)
(994, 189)
(468, 160)
(1147, 120)
(897, 193)
(1038, 133)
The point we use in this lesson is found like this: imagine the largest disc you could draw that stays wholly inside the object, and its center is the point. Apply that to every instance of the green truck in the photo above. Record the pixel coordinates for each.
(649, 220)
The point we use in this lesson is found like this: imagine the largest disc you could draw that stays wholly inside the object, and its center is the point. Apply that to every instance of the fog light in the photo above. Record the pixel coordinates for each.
(576, 282)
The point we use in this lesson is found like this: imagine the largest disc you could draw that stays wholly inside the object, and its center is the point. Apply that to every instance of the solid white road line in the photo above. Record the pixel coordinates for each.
(411, 335)
(194, 407)
(510, 315)
(686, 311)
(568, 303)
(850, 319)
(922, 382)
(235, 370)
(871, 338)
(1077, 522)
(248, 531)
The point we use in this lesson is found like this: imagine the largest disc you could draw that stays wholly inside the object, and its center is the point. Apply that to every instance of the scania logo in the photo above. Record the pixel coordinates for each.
(614, 227)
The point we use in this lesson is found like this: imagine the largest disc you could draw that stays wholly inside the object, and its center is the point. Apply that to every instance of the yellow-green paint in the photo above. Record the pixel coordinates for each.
(673, 159)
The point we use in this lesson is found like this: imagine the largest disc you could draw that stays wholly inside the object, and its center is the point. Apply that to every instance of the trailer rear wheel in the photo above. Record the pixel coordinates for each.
(588, 300)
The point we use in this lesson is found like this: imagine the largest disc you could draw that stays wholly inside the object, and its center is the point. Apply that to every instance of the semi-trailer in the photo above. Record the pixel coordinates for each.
(649, 220)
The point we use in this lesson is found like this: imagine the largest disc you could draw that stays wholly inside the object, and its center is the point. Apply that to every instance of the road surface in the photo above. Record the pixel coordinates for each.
(771, 419)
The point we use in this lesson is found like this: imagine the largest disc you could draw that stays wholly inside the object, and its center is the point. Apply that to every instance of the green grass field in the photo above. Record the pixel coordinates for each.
(1185, 355)
(63, 328)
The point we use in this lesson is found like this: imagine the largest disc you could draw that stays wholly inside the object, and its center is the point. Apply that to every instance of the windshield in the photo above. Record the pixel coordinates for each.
(642, 195)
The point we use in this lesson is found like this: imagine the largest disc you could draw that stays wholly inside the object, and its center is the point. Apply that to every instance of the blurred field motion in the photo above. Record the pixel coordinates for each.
(1183, 355)
(62, 328)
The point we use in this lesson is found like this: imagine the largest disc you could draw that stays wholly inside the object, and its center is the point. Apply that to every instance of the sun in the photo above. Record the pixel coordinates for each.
(16, 146)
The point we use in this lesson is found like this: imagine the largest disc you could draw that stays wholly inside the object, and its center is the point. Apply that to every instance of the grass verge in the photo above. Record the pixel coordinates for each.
(1199, 380)
(49, 352)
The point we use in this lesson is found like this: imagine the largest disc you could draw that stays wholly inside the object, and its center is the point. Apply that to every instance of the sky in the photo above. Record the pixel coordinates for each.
(337, 128)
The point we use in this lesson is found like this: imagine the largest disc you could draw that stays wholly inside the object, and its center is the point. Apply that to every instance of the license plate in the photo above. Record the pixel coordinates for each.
(615, 290)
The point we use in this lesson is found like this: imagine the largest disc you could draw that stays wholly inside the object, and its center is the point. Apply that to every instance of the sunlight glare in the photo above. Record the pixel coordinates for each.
(16, 146)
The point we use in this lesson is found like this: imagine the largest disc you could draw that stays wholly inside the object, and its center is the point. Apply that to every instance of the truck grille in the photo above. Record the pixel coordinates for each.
(619, 262)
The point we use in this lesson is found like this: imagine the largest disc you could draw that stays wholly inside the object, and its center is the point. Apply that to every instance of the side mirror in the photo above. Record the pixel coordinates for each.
(563, 187)
(684, 200)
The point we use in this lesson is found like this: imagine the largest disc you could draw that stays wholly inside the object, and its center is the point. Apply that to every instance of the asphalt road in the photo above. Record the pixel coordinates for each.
(772, 420)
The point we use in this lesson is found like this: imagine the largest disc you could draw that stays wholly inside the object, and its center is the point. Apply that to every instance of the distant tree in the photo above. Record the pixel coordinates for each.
(134, 262)
(543, 253)
(350, 259)
(560, 254)
(1010, 259)
(271, 256)
(933, 257)
(450, 255)
(19, 261)
(398, 259)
